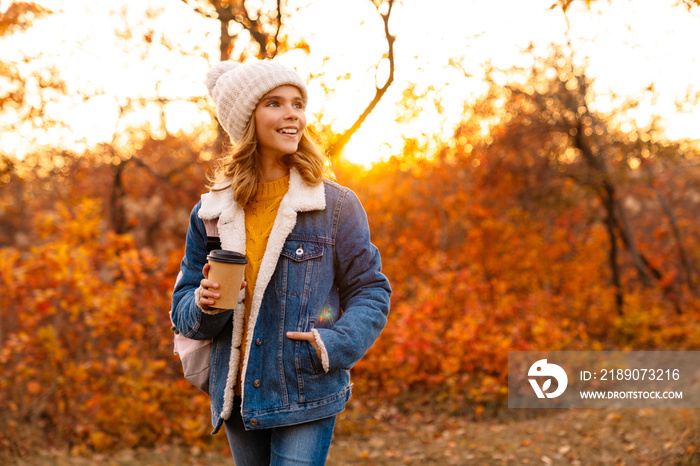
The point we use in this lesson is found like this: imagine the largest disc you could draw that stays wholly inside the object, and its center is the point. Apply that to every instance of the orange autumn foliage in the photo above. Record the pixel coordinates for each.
(480, 267)
(86, 349)
(487, 248)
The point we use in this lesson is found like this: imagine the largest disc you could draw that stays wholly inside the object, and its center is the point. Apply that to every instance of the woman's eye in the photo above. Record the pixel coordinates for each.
(272, 104)
(298, 106)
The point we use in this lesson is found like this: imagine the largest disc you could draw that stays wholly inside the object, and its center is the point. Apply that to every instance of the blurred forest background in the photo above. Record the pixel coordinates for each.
(540, 223)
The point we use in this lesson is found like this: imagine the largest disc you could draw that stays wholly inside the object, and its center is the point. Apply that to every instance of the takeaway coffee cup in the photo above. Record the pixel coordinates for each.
(226, 268)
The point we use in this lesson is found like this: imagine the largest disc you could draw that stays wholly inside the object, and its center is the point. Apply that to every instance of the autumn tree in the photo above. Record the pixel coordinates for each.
(258, 27)
(502, 239)
(143, 151)
(263, 27)
(17, 18)
(550, 117)
(22, 109)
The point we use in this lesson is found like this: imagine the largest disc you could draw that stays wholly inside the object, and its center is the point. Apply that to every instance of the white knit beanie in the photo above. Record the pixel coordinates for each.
(238, 87)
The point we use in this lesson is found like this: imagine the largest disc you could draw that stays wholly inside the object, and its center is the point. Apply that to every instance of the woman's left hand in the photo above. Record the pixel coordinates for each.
(308, 336)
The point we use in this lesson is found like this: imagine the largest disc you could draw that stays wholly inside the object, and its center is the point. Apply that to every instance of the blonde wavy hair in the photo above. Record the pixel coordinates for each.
(240, 164)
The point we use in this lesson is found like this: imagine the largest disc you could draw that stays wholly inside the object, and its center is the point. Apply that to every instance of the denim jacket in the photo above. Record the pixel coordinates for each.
(319, 273)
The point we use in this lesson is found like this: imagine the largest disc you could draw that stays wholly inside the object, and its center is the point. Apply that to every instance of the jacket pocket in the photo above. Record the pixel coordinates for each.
(316, 363)
(301, 262)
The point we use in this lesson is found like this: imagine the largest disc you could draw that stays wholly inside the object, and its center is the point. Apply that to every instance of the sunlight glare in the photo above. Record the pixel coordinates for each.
(628, 46)
(95, 118)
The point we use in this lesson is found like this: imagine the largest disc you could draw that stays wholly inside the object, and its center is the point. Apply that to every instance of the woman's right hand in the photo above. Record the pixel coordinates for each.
(208, 295)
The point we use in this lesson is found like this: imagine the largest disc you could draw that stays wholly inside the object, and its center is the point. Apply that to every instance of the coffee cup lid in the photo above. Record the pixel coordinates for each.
(227, 257)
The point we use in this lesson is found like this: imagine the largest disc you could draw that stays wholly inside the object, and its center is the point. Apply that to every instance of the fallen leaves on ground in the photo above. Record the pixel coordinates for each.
(577, 437)
(389, 437)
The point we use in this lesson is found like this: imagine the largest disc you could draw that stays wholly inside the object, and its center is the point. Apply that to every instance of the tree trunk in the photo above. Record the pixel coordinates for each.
(608, 202)
(225, 39)
(627, 235)
(596, 164)
(688, 270)
(116, 203)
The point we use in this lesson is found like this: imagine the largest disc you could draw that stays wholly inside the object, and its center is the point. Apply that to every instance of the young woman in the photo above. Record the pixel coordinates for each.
(314, 297)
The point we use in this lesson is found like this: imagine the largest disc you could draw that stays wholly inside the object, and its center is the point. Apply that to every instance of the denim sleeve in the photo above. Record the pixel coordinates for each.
(188, 318)
(363, 288)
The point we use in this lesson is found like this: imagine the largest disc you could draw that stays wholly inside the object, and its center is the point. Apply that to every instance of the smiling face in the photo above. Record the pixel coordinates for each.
(279, 122)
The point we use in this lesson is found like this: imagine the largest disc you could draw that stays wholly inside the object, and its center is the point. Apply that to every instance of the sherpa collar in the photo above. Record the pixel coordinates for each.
(301, 197)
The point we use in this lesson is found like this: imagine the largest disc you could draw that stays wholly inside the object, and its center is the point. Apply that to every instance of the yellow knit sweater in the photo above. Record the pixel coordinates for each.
(259, 217)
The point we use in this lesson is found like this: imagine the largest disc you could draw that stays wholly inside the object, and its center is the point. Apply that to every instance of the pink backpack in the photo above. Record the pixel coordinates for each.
(195, 355)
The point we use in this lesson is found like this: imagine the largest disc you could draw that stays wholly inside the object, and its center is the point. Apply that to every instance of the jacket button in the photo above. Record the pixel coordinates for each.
(256, 384)
(258, 342)
(253, 422)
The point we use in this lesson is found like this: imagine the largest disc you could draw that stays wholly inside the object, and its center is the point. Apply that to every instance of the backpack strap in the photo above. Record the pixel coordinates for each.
(213, 241)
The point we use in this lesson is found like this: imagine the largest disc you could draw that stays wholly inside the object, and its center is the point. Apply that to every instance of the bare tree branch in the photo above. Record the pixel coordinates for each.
(225, 15)
(279, 25)
(337, 146)
(199, 10)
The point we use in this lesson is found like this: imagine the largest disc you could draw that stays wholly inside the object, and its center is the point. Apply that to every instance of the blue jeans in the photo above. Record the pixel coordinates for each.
(306, 443)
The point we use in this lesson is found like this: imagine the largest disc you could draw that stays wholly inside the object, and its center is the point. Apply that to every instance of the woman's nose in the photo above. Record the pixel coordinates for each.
(290, 113)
